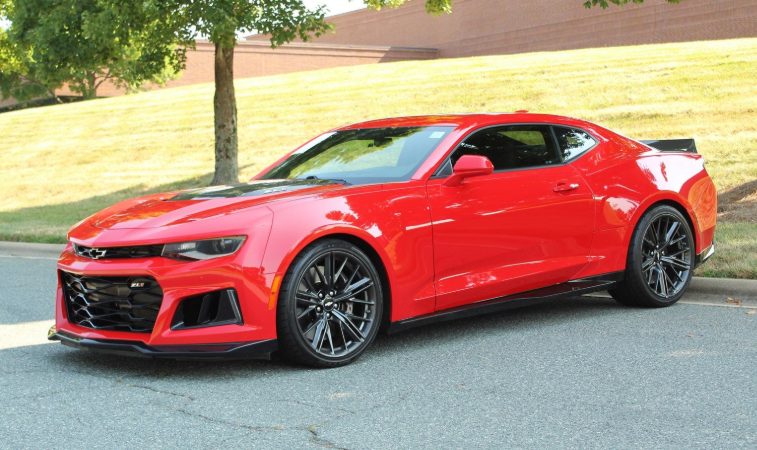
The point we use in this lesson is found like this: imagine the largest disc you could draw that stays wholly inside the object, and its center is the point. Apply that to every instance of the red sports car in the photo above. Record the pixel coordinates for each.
(386, 225)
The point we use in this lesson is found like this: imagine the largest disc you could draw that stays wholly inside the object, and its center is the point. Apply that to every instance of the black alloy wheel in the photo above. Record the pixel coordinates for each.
(666, 256)
(660, 260)
(330, 305)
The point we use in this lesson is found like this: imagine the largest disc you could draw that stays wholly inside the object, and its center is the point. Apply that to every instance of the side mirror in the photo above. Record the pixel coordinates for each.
(469, 166)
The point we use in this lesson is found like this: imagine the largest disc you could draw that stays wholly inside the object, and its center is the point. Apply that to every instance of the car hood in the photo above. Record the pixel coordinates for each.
(197, 204)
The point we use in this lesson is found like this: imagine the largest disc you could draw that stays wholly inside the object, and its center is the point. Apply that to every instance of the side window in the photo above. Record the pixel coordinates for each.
(573, 142)
(512, 146)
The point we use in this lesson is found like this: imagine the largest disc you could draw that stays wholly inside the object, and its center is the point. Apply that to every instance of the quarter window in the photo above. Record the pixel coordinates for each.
(512, 147)
(573, 142)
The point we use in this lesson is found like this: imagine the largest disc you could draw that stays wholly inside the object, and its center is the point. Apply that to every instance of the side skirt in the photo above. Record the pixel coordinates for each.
(541, 295)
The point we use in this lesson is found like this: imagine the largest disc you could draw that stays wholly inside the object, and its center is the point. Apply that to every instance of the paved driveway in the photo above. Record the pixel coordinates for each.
(578, 373)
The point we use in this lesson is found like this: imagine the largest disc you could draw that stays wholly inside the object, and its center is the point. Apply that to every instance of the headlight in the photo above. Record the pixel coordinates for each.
(205, 249)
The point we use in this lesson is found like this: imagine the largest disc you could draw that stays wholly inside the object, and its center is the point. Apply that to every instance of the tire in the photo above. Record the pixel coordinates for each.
(660, 260)
(330, 305)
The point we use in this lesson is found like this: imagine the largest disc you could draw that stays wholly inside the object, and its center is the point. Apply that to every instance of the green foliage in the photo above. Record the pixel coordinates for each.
(282, 20)
(606, 3)
(16, 77)
(219, 20)
(82, 43)
(432, 6)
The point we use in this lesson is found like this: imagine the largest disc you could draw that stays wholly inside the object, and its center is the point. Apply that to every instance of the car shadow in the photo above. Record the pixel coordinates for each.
(557, 313)
(554, 313)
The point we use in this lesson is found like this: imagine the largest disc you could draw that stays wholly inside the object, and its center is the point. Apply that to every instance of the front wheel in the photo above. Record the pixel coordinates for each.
(660, 260)
(330, 305)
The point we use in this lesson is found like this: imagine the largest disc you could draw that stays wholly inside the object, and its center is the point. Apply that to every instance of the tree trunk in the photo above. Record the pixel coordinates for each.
(225, 108)
(90, 89)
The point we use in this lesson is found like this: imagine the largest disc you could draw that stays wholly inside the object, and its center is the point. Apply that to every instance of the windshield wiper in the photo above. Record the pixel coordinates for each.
(335, 180)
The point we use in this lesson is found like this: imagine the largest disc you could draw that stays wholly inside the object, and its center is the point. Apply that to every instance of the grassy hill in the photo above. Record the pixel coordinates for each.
(62, 163)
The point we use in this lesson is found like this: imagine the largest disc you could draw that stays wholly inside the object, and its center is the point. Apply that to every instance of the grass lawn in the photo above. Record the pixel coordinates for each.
(62, 163)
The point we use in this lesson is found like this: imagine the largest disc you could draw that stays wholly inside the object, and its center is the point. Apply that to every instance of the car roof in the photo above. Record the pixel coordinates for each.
(463, 120)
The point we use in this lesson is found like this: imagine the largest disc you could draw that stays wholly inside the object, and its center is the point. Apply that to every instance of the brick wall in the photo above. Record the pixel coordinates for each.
(254, 59)
(485, 27)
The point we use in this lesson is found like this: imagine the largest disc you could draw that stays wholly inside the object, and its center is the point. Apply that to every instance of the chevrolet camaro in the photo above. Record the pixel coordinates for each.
(386, 225)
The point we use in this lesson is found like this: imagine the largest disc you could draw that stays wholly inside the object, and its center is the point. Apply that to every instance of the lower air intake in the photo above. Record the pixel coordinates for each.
(112, 303)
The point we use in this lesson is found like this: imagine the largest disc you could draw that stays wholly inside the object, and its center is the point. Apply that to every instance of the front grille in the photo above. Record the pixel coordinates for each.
(112, 303)
(137, 251)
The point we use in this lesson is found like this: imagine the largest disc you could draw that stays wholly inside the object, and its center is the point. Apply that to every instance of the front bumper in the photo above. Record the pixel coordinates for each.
(255, 337)
(251, 350)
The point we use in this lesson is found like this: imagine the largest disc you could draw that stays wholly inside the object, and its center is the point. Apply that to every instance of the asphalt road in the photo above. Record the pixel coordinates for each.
(578, 373)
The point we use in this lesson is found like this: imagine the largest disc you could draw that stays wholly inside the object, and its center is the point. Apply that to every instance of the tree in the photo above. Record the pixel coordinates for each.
(606, 3)
(219, 21)
(81, 43)
(16, 77)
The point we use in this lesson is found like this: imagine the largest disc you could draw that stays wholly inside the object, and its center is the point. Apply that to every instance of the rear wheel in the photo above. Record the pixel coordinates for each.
(660, 260)
(330, 305)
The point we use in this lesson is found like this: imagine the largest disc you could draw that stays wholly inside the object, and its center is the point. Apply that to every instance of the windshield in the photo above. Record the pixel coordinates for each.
(362, 156)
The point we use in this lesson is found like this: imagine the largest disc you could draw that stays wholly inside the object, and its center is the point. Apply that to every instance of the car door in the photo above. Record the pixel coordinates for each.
(527, 225)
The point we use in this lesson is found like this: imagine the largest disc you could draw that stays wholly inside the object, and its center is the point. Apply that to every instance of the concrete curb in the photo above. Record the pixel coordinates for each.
(712, 290)
(726, 291)
(30, 250)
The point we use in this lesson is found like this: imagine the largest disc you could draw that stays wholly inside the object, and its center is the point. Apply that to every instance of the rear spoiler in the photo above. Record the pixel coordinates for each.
(673, 145)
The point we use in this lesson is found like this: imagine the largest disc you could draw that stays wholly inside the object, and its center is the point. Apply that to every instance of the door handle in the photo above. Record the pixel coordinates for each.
(563, 187)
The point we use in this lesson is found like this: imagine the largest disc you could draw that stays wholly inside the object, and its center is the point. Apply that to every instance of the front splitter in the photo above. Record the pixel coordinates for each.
(249, 350)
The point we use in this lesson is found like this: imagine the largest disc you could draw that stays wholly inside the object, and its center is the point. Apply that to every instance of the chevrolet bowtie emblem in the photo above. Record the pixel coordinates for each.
(93, 253)
(96, 253)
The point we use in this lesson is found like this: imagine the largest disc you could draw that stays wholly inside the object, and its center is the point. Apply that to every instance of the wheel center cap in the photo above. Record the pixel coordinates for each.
(328, 305)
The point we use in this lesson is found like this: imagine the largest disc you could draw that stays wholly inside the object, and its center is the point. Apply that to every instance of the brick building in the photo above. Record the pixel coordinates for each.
(478, 27)
(491, 27)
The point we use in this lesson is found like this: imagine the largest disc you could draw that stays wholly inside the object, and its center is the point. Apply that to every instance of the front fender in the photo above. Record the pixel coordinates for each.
(393, 220)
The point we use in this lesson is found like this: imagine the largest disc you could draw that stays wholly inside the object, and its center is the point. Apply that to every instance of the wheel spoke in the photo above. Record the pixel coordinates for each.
(354, 289)
(362, 319)
(674, 262)
(328, 269)
(669, 235)
(339, 272)
(318, 336)
(308, 283)
(678, 239)
(341, 330)
(657, 226)
(352, 277)
(361, 301)
(321, 276)
(328, 334)
(306, 312)
(305, 299)
(668, 280)
(648, 264)
(651, 232)
(680, 252)
(657, 278)
(663, 285)
(310, 328)
(352, 329)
